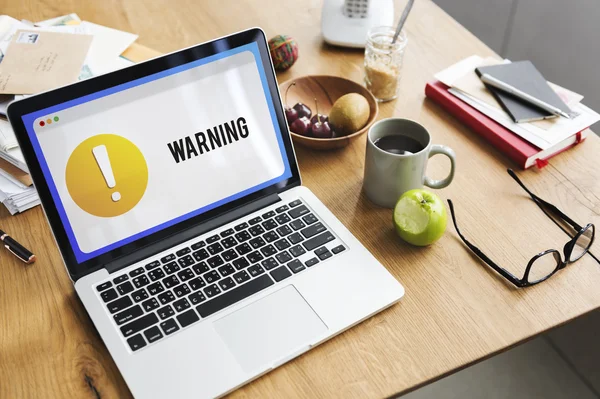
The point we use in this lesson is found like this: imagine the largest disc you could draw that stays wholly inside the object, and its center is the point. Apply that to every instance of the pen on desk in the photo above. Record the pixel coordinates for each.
(492, 81)
(17, 249)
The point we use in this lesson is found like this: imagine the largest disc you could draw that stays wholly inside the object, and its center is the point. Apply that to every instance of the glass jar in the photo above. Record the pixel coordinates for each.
(383, 62)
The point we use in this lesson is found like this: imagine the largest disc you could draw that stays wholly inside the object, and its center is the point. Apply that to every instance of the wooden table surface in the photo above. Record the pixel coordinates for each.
(455, 312)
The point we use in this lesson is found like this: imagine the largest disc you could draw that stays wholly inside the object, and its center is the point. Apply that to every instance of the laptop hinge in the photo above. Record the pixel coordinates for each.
(190, 233)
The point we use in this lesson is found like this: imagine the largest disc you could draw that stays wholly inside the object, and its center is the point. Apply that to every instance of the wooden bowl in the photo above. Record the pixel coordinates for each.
(326, 89)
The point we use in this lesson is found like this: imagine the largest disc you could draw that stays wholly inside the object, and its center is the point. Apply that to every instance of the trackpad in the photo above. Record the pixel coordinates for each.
(269, 329)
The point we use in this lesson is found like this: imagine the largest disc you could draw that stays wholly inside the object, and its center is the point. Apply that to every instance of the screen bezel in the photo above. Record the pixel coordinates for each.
(35, 103)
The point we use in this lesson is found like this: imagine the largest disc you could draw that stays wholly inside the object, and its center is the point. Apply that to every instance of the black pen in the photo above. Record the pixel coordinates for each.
(17, 249)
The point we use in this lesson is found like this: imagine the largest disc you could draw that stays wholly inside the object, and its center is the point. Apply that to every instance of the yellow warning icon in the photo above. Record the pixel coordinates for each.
(106, 175)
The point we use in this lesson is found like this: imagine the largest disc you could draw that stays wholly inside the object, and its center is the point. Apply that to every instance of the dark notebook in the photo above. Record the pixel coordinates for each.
(525, 77)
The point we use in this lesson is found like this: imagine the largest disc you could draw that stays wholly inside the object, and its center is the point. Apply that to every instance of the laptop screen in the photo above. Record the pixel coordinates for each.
(131, 160)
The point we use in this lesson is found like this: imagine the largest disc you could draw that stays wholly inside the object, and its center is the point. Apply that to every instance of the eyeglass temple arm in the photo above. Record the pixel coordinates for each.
(567, 219)
(505, 273)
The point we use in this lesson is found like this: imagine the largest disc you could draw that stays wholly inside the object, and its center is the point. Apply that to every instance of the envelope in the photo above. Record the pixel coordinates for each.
(38, 61)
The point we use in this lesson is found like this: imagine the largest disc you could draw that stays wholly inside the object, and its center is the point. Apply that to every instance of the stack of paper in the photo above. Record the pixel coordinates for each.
(66, 49)
(545, 134)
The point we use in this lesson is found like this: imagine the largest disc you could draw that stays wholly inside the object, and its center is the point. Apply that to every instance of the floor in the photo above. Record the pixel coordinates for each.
(564, 363)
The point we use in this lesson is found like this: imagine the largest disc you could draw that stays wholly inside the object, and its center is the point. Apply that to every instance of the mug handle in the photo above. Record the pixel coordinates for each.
(449, 152)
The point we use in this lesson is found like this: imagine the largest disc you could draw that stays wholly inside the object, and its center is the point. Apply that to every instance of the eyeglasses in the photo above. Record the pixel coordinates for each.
(545, 264)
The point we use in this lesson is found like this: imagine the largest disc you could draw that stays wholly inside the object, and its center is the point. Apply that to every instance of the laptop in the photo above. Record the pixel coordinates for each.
(174, 195)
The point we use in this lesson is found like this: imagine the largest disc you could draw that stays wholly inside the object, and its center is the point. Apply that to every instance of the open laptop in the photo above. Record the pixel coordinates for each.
(173, 192)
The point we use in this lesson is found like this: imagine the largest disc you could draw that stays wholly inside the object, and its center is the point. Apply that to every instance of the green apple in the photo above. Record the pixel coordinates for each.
(420, 217)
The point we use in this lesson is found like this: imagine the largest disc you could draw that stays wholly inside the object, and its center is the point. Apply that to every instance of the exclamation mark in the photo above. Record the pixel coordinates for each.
(101, 155)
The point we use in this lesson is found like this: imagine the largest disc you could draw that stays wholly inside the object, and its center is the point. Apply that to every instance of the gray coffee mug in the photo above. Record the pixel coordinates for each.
(389, 175)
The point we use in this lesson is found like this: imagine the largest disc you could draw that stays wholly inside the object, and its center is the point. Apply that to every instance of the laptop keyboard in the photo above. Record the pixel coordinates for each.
(176, 290)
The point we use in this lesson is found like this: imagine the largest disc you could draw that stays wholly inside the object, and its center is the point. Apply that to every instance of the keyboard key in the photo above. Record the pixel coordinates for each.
(139, 324)
(268, 215)
(201, 255)
(215, 248)
(241, 263)
(136, 342)
(313, 230)
(257, 242)
(226, 270)
(284, 231)
(241, 277)
(297, 224)
(167, 259)
(226, 284)
(140, 281)
(136, 272)
(269, 264)
(212, 276)
(320, 251)
(183, 251)
(295, 238)
(104, 286)
(181, 290)
(338, 249)
(283, 257)
(255, 220)
(152, 265)
(282, 244)
(121, 278)
(120, 304)
(215, 261)
(317, 241)
(254, 257)
(165, 312)
(255, 270)
(282, 219)
(297, 250)
(309, 219)
(155, 288)
(241, 226)
(229, 242)
(187, 318)
(170, 281)
(243, 236)
(296, 266)
(269, 224)
(268, 250)
(325, 255)
(186, 261)
(185, 274)
(229, 255)
(156, 274)
(181, 305)
(166, 297)
(125, 288)
(150, 304)
(270, 236)
(139, 295)
(256, 230)
(226, 233)
(282, 208)
(212, 239)
(234, 295)
(200, 268)
(295, 203)
(169, 326)
(128, 315)
(196, 283)
(198, 245)
(212, 290)
(153, 334)
(171, 268)
(244, 248)
(197, 297)
(311, 262)
(299, 211)
(280, 273)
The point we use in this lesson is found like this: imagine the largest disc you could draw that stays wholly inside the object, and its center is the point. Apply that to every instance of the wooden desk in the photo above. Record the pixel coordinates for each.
(455, 311)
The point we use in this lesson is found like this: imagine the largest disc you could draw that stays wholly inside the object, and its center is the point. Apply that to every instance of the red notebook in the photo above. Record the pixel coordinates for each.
(519, 150)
